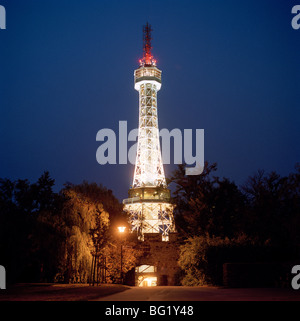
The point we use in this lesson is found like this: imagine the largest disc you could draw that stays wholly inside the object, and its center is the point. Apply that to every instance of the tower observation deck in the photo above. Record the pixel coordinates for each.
(149, 198)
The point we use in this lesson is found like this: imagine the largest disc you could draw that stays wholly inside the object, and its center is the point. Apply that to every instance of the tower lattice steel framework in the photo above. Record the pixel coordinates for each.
(149, 198)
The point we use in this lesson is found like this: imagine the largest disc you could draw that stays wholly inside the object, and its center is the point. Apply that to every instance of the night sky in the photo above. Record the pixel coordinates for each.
(229, 67)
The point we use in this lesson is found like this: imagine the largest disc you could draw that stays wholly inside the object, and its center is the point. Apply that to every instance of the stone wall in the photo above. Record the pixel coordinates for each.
(163, 255)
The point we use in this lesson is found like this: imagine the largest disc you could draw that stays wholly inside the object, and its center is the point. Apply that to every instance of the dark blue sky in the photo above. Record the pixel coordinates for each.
(229, 67)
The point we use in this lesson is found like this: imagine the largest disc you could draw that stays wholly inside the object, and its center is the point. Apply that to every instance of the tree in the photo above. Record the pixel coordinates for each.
(206, 204)
(258, 223)
(273, 207)
(90, 213)
(47, 236)
(112, 253)
(24, 209)
(86, 224)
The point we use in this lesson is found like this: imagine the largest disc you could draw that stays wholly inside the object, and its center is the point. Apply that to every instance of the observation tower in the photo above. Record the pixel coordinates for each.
(149, 198)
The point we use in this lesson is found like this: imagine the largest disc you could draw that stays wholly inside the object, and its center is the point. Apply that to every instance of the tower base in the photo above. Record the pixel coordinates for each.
(157, 265)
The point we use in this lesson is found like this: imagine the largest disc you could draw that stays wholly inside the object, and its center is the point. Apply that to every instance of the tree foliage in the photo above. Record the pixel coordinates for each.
(130, 256)
(214, 215)
(47, 236)
(207, 204)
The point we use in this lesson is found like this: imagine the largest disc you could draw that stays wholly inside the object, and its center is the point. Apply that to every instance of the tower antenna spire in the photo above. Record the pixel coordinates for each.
(147, 56)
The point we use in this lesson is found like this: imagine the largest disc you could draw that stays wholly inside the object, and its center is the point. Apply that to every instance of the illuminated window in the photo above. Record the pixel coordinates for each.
(145, 269)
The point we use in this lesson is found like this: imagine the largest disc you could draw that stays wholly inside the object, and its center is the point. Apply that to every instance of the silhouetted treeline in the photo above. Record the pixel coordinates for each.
(220, 222)
(54, 237)
(70, 236)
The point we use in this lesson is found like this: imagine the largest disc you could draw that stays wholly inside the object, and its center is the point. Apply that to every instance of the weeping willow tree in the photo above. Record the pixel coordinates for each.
(55, 237)
(85, 227)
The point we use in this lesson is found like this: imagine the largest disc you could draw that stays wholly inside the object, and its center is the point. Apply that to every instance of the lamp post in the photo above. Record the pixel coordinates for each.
(121, 231)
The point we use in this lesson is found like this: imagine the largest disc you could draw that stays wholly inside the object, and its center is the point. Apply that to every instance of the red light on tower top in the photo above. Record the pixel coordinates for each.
(147, 56)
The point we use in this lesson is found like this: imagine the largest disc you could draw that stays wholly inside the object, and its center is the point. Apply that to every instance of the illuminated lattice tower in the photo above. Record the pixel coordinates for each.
(149, 198)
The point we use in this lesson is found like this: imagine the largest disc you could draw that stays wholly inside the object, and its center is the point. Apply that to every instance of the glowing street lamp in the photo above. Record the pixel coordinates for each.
(121, 231)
